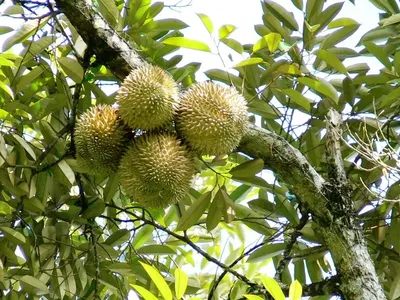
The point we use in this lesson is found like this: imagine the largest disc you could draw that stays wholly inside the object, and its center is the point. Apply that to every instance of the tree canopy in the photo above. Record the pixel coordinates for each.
(323, 124)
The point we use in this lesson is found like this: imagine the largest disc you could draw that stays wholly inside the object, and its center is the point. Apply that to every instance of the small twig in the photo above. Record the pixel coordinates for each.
(34, 18)
(238, 259)
(50, 146)
(292, 240)
(191, 244)
(96, 263)
(50, 165)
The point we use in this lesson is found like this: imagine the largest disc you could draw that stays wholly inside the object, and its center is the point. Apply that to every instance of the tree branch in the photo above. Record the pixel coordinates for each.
(110, 49)
(325, 287)
(189, 242)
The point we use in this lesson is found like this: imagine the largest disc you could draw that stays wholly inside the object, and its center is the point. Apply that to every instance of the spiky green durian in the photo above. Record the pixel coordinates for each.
(156, 170)
(100, 139)
(148, 98)
(212, 118)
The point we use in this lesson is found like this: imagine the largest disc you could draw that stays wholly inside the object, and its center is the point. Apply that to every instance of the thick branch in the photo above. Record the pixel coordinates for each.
(290, 165)
(109, 47)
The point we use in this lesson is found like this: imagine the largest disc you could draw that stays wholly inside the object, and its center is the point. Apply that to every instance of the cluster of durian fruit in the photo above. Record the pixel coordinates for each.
(153, 133)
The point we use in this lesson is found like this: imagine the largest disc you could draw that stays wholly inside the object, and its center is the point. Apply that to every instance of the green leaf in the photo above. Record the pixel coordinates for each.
(47, 105)
(195, 211)
(5, 62)
(215, 211)
(142, 236)
(313, 10)
(46, 250)
(233, 44)
(282, 14)
(143, 292)
(155, 9)
(27, 79)
(24, 32)
(298, 4)
(13, 235)
(248, 168)
(34, 205)
(96, 208)
(69, 280)
(164, 25)
(291, 69)
(249, 62)
(81, 273)
(331, 60)
(158, 280)
(295, 290)
(265, 252)
(339, 36)
(396, 62)
(394, 19)
(187, 43)
(3, 115)
(156, 250)
(33, 285)
(25, 145)
(5, 209)
(389, 99)
(206, 22)
(325, 17)
(395, 287)
(118, 238)
(272, 287)
(314, 270)
(298, 98)
(72, 68)
(271, 40)
(67, 171)
(181, 282)
(240, 193)
(5, 29)
(379, 53)
(343, 22)
(109, 11)
(320, 86)
(225, 31)
(111, 187)
(6, 89)
(223, 76)
(252, 297)
(13, 10)
(253, 181)
(35, 48)
(252, 219)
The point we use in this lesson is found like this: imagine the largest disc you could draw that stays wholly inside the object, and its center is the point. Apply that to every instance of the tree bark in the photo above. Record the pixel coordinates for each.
(329, 202)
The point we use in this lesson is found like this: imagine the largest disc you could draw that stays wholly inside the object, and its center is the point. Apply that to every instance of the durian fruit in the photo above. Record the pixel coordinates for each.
(212, 118)
(100, 139)
(156, 170)
(148, 98)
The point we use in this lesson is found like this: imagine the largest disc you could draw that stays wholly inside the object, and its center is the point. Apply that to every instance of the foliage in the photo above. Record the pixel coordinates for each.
(66, 234)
